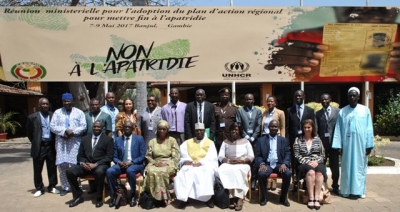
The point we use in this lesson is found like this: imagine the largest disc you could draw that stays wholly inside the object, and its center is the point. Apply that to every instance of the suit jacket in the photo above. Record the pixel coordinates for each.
(191, 119)
(243, 119)
(262, 151)
(103, 151)
(293, 124)
(138, 149)
(278, 115)
(34, 131)
(326, 126)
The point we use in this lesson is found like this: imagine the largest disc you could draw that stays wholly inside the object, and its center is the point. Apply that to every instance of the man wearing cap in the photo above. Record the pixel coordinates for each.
(225, 116)
(199, 162)
(354, 138)
(174, 113)
(69, 124)
(112, 110)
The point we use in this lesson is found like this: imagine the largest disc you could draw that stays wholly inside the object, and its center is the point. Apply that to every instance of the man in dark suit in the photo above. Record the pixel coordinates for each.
(273, 156)
(199, 111)
(325, 121)
(129, 153)
(94, 158)
(249, 118)
(43, 147)
(295, 115)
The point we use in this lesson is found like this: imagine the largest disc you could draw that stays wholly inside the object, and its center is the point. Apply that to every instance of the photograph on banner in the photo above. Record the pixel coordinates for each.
(217, 44)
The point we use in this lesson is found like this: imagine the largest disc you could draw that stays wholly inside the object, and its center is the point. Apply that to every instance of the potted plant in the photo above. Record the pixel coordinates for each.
(6, 124)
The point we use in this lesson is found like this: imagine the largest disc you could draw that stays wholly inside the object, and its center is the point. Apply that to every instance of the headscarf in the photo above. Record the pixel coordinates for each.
(163, 123)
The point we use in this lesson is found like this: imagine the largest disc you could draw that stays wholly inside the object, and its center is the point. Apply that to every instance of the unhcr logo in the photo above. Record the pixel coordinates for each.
(236, 71)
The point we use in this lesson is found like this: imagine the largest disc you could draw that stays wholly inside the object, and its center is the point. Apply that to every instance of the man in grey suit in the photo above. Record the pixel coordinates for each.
(249, 118)
(325, 121)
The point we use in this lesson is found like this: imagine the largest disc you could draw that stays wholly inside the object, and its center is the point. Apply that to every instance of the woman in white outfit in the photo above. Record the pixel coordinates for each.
(236, 154)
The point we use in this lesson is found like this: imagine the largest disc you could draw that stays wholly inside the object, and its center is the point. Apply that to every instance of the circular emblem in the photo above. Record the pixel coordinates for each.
(28, 71)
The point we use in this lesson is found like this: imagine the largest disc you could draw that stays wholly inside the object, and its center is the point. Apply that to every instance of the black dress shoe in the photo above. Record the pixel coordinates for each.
(99, 204)
(133, 202)
(76, 202)
(112, 202)
(210, 203)
(336, 191)
(182, 205)
(263, 202)
(253, 185)
(285, 203)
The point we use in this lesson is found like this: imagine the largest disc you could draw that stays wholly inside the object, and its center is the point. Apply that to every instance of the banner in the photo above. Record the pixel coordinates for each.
(217, 44)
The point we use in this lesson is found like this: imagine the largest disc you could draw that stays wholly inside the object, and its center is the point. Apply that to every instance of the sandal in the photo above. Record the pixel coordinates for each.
(317, 207)
(239, 205)
(232, 203)
(310, 206)
(273, 185)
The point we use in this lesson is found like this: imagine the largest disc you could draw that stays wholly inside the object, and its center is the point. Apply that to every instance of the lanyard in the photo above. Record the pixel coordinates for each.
(151, 114)
(95, 118)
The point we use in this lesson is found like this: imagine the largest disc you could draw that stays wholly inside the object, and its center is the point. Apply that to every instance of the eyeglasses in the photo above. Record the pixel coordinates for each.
(162, 129)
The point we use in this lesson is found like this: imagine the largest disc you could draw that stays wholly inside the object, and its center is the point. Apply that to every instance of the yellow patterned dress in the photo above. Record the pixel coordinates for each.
(157, 178)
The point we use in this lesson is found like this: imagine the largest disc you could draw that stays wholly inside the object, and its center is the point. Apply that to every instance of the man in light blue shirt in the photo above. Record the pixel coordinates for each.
(112, 110)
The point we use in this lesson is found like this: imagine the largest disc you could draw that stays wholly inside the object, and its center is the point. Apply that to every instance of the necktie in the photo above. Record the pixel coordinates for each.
(126, 149)
(200, 114)
(272, 147)
(95, 142)
(327, 114)
(175, 123)
(298, 111)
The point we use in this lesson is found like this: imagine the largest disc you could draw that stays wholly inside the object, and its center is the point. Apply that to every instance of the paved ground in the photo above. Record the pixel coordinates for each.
(16, 185)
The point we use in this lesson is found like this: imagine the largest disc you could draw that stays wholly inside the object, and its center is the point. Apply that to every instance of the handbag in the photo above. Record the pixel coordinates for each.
(146, 201)
(221, 195)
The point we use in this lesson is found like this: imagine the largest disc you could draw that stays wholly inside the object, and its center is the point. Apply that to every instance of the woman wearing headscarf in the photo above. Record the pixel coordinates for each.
(163, 158)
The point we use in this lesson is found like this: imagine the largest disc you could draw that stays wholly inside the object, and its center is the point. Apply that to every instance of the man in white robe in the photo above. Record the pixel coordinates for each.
(199, 162)
(354, 137)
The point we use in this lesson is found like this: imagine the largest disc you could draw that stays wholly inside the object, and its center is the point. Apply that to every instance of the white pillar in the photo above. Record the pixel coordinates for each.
(302, 85)
(168, 91)
(233, 92)
(367, 94)
(105, 90)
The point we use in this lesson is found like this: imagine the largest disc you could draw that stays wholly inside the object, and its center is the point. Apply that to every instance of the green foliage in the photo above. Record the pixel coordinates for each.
(317, 106)
(387, 121)
(7, 124)
(375, 160)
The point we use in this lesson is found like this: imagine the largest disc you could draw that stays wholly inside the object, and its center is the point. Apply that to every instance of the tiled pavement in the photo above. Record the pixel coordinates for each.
(16, 191)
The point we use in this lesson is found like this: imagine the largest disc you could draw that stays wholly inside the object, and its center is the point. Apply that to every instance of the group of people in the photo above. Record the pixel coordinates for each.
(181, 145)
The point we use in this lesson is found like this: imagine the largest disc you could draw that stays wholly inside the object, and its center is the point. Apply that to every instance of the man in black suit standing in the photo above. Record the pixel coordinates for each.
(325, 121)
(43, 147)
(295, 115)
(273, 156)
(199, 111)
(94, 157)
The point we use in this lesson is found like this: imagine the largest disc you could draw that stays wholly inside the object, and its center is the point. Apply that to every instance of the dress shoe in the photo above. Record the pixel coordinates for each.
(210, 203)
(38, 193)
(99, 204)
(253, 185)
(54, 191)
(112, 202)
(133, 202)
(92, 191)
(263, 202)
(336, 191)
(63, 192)
(76, 202)
(182, 205)
(285, 203)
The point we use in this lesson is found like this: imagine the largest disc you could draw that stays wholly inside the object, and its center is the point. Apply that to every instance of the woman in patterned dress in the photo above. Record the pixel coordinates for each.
(127, 114)
(163, 159)
(310, 154)
(236, 154)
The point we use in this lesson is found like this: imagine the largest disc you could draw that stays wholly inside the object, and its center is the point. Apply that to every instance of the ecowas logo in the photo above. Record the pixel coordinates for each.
(28, 71)
(236, 71)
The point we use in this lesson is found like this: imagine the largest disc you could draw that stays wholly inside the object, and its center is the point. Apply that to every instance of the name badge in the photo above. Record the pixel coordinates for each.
(172, 128)
(327, 135)
(299, 132)
(150, 128)
(222, 124)
(250, 131)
